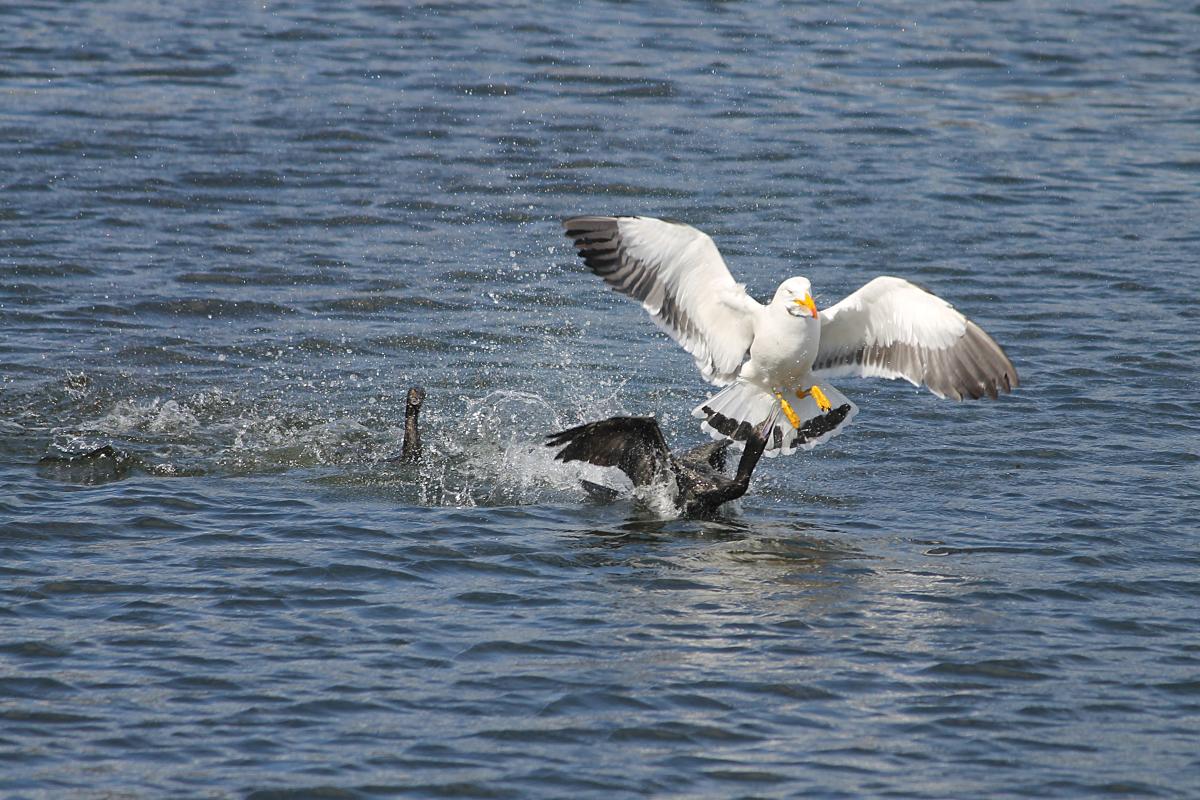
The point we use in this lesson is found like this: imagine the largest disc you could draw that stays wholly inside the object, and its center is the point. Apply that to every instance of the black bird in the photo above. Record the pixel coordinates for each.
(100, 465)
(635, 445)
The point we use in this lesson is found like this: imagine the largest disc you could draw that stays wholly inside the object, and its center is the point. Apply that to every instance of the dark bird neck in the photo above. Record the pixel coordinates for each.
(412, 429)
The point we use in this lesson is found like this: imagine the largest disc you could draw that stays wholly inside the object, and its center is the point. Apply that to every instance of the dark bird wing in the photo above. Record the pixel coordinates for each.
(713, 454)
(634, 445)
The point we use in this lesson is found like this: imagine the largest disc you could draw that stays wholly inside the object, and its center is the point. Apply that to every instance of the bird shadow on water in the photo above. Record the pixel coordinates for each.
(743, 542)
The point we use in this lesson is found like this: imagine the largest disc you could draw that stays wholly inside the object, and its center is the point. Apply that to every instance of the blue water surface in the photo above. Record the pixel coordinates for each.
(232, 235)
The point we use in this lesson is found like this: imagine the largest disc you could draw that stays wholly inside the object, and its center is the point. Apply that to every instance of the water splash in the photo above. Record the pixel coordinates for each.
(493, 454)
(163, 418)
(485, 451)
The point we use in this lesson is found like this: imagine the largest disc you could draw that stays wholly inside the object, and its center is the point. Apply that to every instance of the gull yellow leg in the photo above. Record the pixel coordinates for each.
(788, 412)
(822, 401)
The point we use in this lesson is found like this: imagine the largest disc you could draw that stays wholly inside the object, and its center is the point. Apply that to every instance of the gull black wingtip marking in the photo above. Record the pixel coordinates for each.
(819, 426)
(812, 429)
(726, 426)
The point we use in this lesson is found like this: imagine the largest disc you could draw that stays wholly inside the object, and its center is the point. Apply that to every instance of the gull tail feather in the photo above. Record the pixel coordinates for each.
(742, 407)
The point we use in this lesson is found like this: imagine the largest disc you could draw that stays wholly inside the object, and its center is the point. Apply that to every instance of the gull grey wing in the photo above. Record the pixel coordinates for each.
(891, 328)
(678, 275)
(635, 445)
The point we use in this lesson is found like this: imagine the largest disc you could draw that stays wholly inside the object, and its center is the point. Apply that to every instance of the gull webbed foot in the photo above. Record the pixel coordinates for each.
(816, 393)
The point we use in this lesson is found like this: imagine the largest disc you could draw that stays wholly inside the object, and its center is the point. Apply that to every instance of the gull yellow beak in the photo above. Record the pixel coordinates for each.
(808, 303)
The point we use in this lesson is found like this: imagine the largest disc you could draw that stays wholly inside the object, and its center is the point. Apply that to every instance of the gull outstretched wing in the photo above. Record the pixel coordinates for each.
(891, 328)
(678, 275)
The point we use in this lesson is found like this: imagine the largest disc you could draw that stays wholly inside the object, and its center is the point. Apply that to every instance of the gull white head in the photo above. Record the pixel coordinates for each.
(795, 294)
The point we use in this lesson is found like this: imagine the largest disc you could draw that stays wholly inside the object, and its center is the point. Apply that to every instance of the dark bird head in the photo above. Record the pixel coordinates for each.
(416, 396)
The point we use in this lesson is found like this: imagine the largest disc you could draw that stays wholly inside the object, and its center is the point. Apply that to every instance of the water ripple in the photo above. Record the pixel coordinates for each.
(229, 244)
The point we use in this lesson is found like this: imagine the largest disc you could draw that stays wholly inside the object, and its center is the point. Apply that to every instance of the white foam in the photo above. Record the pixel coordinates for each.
(162, 417)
